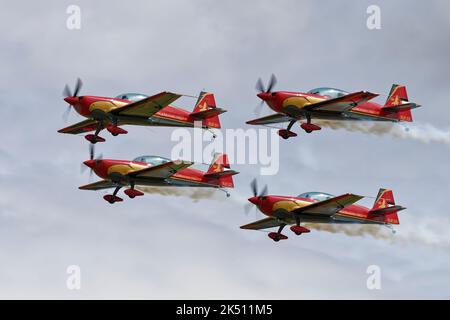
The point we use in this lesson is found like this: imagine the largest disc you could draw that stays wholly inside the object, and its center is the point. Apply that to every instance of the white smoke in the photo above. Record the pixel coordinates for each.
(425, 232)
(425, 133)
(193, 193)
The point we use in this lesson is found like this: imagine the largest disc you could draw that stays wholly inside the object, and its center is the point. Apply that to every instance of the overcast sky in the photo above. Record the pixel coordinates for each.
(171, 246)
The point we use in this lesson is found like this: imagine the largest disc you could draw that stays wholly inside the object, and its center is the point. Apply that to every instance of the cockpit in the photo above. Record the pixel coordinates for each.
(153, 160)
(329, 92)
(316, 196)
(131, 96)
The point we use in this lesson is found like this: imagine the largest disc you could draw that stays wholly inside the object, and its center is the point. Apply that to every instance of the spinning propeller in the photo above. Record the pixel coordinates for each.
(71, 98)
(254, 187)
(260, 88)
(92, 160)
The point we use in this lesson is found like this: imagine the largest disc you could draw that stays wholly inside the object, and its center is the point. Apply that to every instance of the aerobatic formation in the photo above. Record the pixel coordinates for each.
(324, 103)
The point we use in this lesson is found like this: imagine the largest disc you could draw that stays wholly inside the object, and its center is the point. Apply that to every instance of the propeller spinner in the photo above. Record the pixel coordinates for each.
(70, 98)
(263, 92)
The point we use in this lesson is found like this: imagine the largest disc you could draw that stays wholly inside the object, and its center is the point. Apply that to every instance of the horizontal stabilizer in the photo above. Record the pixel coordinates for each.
(217, 175)
(208, 113)
(383, 211)
(401, 107)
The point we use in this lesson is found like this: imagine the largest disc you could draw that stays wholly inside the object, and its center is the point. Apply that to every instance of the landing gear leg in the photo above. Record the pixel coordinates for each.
(297, 228)
(94, 138)
(114, 129)
(286, 134)
(308, 126)
(111, 198)
(132, 193)
(277, 236)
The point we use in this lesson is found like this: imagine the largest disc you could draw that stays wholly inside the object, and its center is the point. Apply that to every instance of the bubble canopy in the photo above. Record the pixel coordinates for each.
(316, 196)
(153, 160)
(131, 96)
(329, 92)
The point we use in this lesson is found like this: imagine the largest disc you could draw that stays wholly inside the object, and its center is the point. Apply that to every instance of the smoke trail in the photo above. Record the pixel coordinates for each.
(354, 230)
(193, 193)
(425, 133)
(425, 233)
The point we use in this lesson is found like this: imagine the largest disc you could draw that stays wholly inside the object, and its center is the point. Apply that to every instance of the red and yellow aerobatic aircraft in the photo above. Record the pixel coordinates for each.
(319, 207)
(330, 104)
(156, 171)
(137, 109)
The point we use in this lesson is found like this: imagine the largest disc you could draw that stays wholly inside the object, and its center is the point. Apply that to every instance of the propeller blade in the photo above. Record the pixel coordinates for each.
(66, 91)
(272, 83)
(258, 108)
(78, 86)
(259, 86)
(248, 207)
(254, 186)
(66, 113)
(91, 151)
(83, 168)
(264, 191)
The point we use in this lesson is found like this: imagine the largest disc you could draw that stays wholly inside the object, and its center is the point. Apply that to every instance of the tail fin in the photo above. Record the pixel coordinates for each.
(397, 102)
(216, 171)
(385, 205)
(205, 110)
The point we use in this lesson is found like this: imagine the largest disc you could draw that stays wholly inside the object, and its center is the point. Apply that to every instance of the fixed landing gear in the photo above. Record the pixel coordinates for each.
(94, 138)
(297, 228)
(112, 198)
(308, 126)
(287, 133)
(115, 130)
(277, 236)
(132, 193)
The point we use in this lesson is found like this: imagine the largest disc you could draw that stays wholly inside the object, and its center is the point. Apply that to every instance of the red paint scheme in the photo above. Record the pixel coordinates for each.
(275, 101)
(101, 168)
(266, 203)
(299, 229)
(277, 236)
(82, 104)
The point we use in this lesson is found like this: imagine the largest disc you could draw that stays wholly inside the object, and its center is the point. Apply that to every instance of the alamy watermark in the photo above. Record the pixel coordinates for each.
(373, 21)
(374, 280)
(73, 21)
(251, 146)
(73, 281)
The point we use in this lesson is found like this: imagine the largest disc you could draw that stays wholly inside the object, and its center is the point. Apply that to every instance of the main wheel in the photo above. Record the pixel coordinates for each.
(308, 131)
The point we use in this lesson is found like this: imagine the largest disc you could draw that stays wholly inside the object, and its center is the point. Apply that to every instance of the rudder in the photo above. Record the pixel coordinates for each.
(384, 199)
(206, 110)
(398, 96)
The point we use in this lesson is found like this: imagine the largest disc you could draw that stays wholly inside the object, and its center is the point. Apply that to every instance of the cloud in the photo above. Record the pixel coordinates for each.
(168, 246)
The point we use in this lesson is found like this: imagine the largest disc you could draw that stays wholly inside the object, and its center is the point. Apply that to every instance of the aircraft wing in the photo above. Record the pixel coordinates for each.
(80, 127)
(147, 107)
(273, 118)
(163, 171)
(262, 224)
(99, 185)
(329, 207)
(342, 104)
